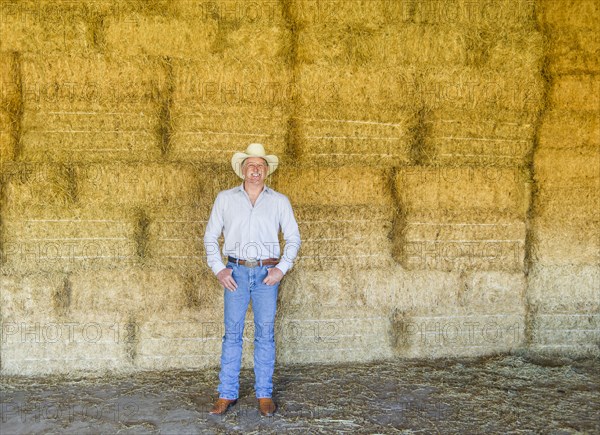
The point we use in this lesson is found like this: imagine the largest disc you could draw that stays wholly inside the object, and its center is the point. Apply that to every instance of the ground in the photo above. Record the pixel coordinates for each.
(525, 394)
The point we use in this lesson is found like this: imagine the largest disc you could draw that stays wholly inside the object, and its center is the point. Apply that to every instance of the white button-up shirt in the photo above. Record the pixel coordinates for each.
(251, 232)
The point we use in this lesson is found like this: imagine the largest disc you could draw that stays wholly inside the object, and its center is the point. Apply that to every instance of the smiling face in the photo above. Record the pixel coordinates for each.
(254, 170)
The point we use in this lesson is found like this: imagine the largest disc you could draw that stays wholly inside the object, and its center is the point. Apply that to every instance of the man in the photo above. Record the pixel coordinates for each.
(250, 216)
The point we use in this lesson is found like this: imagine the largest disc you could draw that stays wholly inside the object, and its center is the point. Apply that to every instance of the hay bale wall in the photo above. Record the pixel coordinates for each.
(442, 159)
(564, 282)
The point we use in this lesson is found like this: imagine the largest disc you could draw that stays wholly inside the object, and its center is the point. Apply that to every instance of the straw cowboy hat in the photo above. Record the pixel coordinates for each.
(253, 150)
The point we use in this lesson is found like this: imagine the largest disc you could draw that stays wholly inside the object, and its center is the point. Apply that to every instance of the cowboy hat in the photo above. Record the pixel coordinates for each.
(253, 150)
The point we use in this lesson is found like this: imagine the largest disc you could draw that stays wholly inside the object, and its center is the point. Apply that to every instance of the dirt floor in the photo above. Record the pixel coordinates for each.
(495, 394)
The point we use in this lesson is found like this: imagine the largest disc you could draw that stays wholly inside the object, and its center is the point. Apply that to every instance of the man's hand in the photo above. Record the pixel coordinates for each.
(273, 277)
(226, 279)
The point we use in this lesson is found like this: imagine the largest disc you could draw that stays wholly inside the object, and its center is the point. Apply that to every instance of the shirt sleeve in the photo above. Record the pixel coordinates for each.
(213, 231)
(291, 234)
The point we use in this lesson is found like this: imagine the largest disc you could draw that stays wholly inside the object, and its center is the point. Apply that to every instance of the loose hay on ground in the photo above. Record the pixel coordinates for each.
(498, 394)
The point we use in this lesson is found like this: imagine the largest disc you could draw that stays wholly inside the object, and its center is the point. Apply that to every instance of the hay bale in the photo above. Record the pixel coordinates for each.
(495, 292)
(497, 244)
(120, 184)
(562, 203)
(565, 333)
(574, 243)
(311, 289)
(362, 117)
(334, 334)
(334, 186)
(576, 93)
(435, 336)
(376, 12)
(43, 26)
(559, 167)
(29, 295)
(10, 105)
(58, 354)
(135, 34)
(564, 288)
(98, 295)
(579, 14)
(68, 239)
(566, 223)
(9, 90)
(351, 143)
(149, 185)
(145, 293)
(123, 313)
(441, 230)
(185, 343)
(174, 238)
(573, 51)
(568, 130)
(343, 237)
(440, 314)
(390, 45)
(467, 138)
(31, 186)
(91, 108)
(363, 93)
(340, 278)
(443, 191)
(565, 309)
(485, 90)
(395, 288)
(240, 30)
(325, 334)
(395, 45)
(7, 143)
(493, 14)
(52, 340)
(564, 301)
(219, 107)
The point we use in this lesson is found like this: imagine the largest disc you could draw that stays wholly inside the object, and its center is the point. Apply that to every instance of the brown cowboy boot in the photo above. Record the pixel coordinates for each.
(221, 406)
(267, 407)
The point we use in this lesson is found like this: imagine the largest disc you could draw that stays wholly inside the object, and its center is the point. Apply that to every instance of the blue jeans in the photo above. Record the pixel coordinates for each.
(264, 305)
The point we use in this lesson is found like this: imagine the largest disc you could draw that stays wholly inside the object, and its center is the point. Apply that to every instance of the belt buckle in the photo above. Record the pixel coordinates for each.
(251, 263)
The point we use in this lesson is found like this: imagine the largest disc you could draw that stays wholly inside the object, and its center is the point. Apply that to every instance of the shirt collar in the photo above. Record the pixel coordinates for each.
(266, 188)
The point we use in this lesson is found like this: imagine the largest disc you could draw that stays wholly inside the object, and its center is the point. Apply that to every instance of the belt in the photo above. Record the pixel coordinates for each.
(254, 263)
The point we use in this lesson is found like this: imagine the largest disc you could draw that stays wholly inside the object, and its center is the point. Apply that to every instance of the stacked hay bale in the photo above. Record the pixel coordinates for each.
(463, 200)
(564, 283)
(344, 220)
(86, 256)
(220, 97)
(348, 131)
(406, 134)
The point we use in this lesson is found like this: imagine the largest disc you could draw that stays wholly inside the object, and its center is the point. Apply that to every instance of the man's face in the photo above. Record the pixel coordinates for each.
(254, 170)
